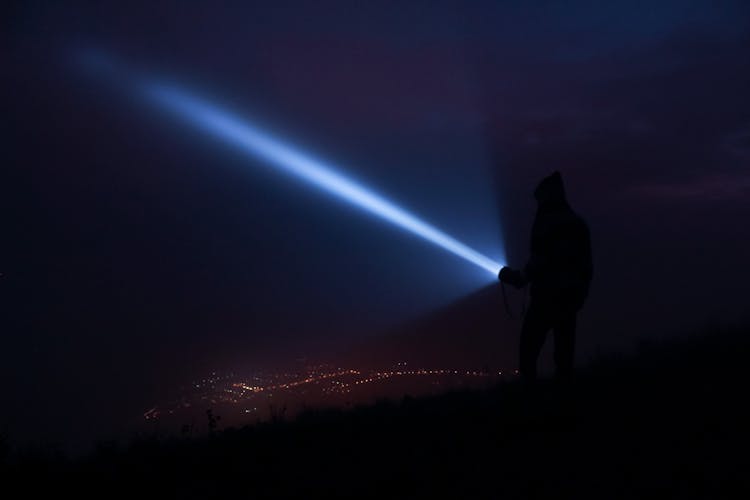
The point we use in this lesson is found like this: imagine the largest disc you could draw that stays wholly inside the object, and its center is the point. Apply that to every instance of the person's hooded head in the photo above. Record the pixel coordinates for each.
(550, 192)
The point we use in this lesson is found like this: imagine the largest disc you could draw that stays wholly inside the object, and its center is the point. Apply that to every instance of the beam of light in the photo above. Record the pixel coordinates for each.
(252, 140)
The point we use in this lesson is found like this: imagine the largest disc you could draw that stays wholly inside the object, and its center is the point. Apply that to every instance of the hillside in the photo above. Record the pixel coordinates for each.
(670, 421)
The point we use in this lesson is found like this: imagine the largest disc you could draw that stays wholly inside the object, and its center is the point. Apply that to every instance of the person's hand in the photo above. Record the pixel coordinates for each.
(511, 277)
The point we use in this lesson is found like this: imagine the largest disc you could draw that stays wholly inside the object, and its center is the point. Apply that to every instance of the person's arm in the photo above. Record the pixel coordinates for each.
(536, 263)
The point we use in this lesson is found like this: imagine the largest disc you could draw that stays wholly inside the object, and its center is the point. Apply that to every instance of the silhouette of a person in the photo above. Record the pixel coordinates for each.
(559, 271)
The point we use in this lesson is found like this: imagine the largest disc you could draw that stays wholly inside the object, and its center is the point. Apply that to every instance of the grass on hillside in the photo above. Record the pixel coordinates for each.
(671, 420)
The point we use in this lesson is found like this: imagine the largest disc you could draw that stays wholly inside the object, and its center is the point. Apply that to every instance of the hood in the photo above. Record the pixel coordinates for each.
(550, 191)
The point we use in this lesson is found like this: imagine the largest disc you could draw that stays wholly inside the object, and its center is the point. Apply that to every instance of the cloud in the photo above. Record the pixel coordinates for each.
(716, 187)
(738, 143)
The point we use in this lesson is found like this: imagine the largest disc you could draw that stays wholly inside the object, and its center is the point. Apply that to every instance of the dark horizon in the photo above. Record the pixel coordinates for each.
(139, 252)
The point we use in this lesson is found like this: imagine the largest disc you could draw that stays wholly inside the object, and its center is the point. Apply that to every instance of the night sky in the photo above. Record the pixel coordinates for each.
(138, 252)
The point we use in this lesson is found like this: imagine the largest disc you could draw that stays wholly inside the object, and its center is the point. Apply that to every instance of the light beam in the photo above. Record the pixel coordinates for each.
(250, 139)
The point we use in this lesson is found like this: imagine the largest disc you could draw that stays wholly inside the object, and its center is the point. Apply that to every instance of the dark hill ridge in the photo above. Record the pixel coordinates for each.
(472, 332)
(671, 421)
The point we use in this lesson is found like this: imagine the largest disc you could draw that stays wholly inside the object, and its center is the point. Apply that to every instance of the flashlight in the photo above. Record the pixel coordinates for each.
(512, 277)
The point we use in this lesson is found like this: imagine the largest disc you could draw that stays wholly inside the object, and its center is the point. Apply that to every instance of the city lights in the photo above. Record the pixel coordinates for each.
(324, 380)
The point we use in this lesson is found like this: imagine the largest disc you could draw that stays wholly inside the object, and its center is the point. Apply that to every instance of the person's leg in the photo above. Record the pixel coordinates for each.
(565, 339)
(534, 329)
